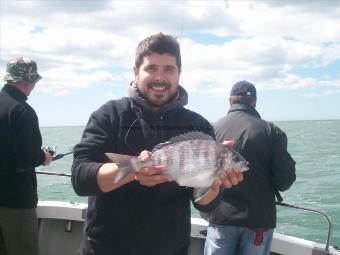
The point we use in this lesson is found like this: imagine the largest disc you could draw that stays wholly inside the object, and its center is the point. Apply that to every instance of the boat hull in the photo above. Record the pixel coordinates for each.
(61, 232)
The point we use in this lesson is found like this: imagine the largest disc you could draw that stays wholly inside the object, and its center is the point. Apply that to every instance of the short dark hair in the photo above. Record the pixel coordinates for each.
(242, 99)
(159, 43)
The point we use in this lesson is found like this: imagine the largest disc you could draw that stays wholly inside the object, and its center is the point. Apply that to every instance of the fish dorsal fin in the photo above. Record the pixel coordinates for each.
(194, 135)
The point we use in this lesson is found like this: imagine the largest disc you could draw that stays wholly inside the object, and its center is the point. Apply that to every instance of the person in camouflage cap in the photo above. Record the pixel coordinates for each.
(22, 69)
(20, 153)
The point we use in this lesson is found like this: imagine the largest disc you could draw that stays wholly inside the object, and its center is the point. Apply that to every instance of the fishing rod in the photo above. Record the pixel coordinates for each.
(52, 151)
(59, 156)
(330, 225)
(55, 156)
(53, 173)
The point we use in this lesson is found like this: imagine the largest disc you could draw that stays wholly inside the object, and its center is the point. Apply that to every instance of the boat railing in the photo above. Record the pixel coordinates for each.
(330, 225)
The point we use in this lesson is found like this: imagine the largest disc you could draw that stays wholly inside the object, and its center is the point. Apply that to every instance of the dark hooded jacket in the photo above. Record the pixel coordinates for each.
(272, 169)
(20, 150)
(134, 219)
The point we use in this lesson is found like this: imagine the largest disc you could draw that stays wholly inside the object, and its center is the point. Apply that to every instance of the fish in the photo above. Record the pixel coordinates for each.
(192, 159)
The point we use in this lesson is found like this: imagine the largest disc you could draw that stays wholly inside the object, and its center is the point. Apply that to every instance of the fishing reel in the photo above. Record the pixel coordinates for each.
(53, 152)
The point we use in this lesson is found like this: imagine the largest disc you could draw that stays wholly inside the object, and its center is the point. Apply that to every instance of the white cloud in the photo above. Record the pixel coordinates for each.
(63, 81)
(89, 44)
(304, 22)
(263, 60)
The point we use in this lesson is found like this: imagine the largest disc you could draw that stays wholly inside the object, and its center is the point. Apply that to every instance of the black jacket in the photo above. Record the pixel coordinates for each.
(264, 146)
(134, 219)
(20, 150)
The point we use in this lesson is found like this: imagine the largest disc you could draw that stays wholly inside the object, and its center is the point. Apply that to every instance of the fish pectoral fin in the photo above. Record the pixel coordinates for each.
(199, 193)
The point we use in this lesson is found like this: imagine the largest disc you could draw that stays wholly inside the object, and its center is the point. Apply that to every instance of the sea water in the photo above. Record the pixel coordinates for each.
(314, 145)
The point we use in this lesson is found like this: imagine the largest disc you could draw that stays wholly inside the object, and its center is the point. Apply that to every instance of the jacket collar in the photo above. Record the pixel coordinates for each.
(244, 108)
(148, 118)
(14, 92)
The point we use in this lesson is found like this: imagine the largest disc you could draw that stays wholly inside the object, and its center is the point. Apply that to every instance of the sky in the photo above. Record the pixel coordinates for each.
(290, 50)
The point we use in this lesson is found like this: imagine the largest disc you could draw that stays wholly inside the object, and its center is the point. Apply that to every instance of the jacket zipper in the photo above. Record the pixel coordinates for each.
(161, 127)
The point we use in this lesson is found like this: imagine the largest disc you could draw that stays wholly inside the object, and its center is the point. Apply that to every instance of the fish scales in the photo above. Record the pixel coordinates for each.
(193, 159)
(191, 163)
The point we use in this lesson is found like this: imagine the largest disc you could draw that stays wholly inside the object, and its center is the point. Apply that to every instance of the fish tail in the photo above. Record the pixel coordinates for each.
(127, 167)
(124, 165)
(127, 164)
(123, 172)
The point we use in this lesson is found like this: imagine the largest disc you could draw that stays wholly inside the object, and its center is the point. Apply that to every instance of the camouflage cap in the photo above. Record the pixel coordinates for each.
(22, 69)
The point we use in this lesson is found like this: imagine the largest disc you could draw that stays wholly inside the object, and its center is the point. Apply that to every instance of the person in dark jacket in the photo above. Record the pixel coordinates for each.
(244, 221)
(20, 153)
(145, 213)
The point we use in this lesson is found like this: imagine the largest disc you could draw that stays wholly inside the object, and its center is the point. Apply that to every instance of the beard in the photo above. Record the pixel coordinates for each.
(161, 99)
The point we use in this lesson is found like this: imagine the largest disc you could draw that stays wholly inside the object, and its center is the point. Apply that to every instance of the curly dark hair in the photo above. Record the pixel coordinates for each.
(159, 43)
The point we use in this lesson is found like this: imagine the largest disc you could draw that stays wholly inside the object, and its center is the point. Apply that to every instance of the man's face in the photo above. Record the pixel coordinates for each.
(157, 78)
(25, 87)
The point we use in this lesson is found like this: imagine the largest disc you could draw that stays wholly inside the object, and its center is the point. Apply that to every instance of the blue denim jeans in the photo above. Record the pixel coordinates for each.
(232, 240)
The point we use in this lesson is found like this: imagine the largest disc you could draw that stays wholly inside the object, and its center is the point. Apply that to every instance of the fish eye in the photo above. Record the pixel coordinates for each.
(236, 158)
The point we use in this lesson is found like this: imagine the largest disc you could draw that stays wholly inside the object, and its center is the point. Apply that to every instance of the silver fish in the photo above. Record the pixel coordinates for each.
(193, 159)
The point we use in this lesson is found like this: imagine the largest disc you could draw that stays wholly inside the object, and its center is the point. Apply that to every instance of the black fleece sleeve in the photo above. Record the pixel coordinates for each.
(212, 205)
(283, 165)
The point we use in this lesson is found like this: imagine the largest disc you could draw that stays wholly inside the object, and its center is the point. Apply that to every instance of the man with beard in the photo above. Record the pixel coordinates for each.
(146, 212)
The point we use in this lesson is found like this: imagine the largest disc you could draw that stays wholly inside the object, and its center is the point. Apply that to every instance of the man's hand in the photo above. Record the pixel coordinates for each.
(150, 176)
(48, 158)
(228, 178)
